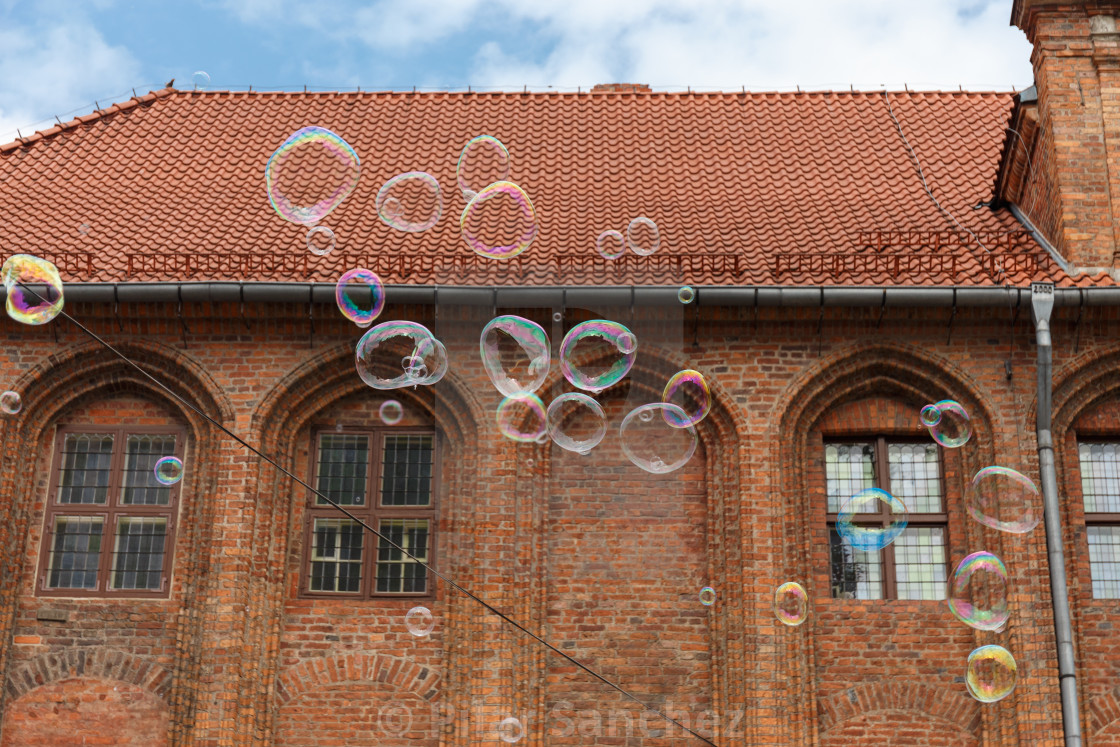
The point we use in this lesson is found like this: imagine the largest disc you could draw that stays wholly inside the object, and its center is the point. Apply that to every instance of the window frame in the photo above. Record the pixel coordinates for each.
(1095, 518)
(372, 513)
(882, 474)
(110, 512)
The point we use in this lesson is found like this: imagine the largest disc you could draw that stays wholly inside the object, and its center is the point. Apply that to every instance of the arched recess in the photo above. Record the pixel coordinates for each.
(957, 716)
(903, 374)
(288, 408)
(101, 711)
(88, 371)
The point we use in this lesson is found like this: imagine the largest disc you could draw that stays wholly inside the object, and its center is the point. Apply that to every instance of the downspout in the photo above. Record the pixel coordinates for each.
(1042, 303)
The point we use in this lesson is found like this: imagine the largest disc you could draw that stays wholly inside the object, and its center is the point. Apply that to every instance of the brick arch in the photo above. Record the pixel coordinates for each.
(951, 706)
(100, 663)
(1103, 713)
(359, 666)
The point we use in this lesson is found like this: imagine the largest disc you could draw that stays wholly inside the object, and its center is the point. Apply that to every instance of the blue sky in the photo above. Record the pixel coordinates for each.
(58, 56)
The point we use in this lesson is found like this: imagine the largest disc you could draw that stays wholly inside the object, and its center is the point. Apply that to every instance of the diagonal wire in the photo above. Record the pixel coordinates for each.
(466, 592)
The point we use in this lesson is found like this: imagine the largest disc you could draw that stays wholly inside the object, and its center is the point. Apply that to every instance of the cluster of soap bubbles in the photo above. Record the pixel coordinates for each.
(642, 238)
(422, 358)
(499, 221)
(948, 423)
(168, 470)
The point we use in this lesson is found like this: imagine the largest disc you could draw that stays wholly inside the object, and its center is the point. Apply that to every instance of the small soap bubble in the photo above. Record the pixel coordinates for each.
(390, 412)
(378, 356)
(576, 422)
(483, 161)
(991, 674)
(707, 596)
(310, 174)
(83, 229)
(654, 445)
(516, 354)
(642, 236)
(410, 202)
(320, 241)
(977, 592)
(687, 294)
(1004, 499)
(930, 415)
(689, 390)
(42, 301)
(419, 621)
(953, 428)
(200, 80)
(522, 418)
(591, 357)
(530, 463)
(791, 604)
(169, 470)
(871, 538)
(557, 316)
(499, 222)
(10, 402)
(360, 296)
(610, 244)
(511, 730)
(627, 342)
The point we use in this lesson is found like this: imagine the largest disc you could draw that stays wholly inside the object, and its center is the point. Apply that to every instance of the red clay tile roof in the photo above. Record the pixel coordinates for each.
(747, 188)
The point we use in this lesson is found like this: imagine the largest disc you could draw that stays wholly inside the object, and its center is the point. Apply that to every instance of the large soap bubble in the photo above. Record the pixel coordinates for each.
(597, 354)
(168, 470)
(515, 353)
(642, 236)
(41, 300)
(991, 673)
(688, 389)
(310, 174)
(576, 422)
(791, 604)
(483, 161)
(410, 202)
(499, 222)
(1004, 499)
(953, 427)
(522, 418)
(651, 443)
(360, 296)
(405, 347)
(870, 538)
(977, 592)
(610, 244)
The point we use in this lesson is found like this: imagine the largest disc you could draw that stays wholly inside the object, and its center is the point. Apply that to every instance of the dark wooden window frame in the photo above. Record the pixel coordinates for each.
(109, 512)
(1096, 518)
(372, 513)
(883, 518)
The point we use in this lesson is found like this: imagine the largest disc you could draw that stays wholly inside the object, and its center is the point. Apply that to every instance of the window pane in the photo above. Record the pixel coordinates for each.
(919, 563)
(407, 470)
(84, 477)
(336, 555)
(1104, 561)
(915, 477)
(343, 467)
(855, 574)
(849, 468)
(395, 572)
(1100, 477)
(75, 550)
(138, 553)
(141, 488)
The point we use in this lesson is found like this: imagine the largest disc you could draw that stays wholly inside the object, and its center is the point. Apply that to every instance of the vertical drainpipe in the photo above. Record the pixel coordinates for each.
(1042, 303)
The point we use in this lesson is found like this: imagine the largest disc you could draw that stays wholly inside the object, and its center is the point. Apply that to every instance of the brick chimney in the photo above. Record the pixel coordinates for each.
(1076, 63)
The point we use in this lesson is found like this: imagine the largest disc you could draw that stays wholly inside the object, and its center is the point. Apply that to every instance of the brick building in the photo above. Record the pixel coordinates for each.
(836, 296)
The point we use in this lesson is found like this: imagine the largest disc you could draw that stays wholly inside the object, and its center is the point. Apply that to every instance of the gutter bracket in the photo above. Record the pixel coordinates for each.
(311, 315)
(117, 308)
(183, 329)
(952, 316)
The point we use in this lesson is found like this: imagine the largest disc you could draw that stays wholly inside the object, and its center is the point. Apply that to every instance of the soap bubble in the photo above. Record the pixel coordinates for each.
(516, 354)
(320, 241)
(387, 342)
(169, 470)
(930, 415)
(576, 422)
(687, 294)
(499, 222)
(610, 244)
(419, 621)
(1001, 498)
(642, 236)
(83, 229)
(791, 604)
(310, 174)
(483, 161)
(953, 428)
(654, 445)
(689, 390)
(10, 402)
(977, 592)
(410, 202)
(360, 296)
(991, 674)
(627, 342)
(557, 316)
(200, 80)
(42, 301)
(707, 596)
(522, 418)
(390, 412)
(511, 730)
(590, 355)
(871, 538)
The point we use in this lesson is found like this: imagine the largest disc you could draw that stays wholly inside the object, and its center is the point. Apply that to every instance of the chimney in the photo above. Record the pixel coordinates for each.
(1076, 194)
(621, 88)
